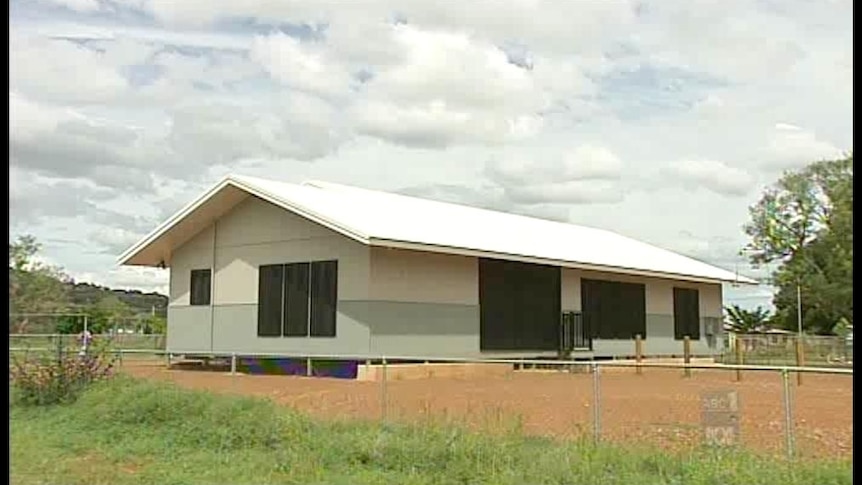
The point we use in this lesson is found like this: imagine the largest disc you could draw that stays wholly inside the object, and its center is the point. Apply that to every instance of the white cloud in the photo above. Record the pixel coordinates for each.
(115, 239)
(569, 192)
(591, 162)
(213, 133)
(712, 175)
(72, 145)
(534, 164)
(32, 119)
(791, 146)
(456, 68)
(299, 67)
(59, 70)
(582, 174)
(78, 5)
(448, 88)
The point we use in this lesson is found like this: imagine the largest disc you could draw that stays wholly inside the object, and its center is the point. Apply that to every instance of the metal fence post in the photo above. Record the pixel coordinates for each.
(639, 353)
(597, 414)
(686, 351)
(788, 414)
(308, 369)
(800, 358)
(739, 361)
(233, 364)
(384, 398)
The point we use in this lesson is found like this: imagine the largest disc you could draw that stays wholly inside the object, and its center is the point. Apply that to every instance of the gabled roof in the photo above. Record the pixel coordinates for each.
(391, 220)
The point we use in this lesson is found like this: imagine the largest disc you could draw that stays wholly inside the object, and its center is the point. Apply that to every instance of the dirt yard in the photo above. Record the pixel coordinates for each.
(660, 407)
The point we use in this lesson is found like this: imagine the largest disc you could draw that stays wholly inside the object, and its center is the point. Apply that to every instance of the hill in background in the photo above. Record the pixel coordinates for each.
(138, 302)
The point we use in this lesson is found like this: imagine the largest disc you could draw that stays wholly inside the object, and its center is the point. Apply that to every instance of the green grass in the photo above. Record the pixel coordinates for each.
(128, 431)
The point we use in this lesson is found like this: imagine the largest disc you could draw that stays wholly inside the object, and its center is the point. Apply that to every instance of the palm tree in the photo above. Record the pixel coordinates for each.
(747, 321)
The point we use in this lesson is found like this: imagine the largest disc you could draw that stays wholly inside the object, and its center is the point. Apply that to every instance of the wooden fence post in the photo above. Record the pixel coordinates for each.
(639, 352)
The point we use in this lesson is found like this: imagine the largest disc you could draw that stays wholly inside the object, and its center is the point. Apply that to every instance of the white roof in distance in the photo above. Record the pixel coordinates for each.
(392, 220)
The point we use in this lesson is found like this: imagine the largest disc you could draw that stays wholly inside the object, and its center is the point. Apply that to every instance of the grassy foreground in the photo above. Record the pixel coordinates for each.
(128, 431)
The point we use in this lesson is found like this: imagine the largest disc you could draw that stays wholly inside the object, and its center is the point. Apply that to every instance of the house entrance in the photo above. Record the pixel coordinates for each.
(519, 306)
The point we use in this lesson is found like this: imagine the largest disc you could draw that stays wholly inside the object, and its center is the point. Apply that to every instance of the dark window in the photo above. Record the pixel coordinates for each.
(686, 313)
(201, 287)
(298, 299)
(519, 306)
(613, 310)
(269, 307)
(324, 295)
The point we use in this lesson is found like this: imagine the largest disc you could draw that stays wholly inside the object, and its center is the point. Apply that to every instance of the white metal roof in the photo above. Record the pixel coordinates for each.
(392, 220)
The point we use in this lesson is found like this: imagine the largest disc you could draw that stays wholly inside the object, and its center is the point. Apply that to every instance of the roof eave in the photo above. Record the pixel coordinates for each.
(127, 256)
(168, 224)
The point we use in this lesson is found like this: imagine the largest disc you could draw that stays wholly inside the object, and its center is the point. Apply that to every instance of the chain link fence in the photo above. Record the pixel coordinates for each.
(53, 341)
(781, 349)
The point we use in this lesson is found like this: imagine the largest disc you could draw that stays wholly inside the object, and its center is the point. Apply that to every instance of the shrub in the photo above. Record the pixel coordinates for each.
(45, 379)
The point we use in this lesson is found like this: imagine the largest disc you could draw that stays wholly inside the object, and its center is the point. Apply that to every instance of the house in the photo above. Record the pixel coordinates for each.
(260, 266)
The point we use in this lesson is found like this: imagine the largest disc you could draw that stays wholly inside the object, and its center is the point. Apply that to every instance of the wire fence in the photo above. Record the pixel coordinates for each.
(784, 349)
(117, 341)
(67, 323)
(671, 405)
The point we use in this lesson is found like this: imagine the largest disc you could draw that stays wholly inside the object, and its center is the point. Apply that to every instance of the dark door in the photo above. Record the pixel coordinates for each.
(519, 306)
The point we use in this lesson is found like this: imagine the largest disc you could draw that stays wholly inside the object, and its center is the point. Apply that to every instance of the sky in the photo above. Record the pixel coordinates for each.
(660, 120)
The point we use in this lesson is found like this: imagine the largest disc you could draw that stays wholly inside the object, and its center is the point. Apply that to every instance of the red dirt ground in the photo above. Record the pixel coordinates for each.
(659, 407)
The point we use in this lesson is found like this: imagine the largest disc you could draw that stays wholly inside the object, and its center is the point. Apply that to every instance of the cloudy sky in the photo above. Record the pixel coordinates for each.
(660, 120)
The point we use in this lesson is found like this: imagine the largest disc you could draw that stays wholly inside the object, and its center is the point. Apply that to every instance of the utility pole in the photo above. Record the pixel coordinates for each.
(799, 307)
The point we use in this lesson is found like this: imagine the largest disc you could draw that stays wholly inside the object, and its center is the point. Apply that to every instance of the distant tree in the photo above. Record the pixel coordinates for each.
(747, 321)
(34, 287)
(805, 224)
(153, 324)
(70, 324)
(843, 328)
(107, 313)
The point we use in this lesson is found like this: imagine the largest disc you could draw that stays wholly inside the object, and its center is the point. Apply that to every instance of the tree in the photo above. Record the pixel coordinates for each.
(805, 223)
(108, 312)
(747, 321)
(152, 324)
(34, 287)
(843, 328)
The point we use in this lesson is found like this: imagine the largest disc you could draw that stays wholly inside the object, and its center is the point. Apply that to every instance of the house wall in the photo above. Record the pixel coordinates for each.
(659, 339)
(422, 303)
(257, 233)
(428, 304)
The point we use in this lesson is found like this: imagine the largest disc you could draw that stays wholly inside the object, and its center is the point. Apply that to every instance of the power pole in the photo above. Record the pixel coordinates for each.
(799, 308)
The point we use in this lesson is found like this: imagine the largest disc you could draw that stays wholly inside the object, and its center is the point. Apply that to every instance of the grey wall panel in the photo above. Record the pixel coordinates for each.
(189, 328)
(401, 328)
(659, 341)
(235, 330)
